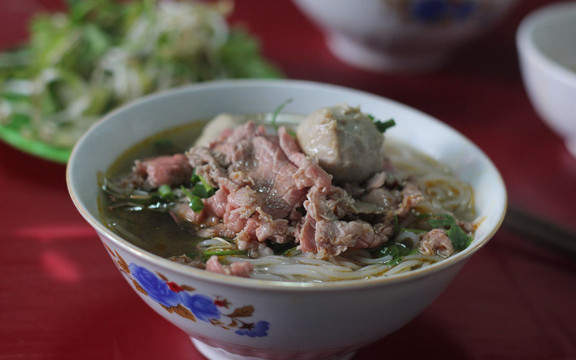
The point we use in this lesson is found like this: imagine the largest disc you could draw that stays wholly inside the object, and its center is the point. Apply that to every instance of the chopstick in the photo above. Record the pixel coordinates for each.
(542, 232)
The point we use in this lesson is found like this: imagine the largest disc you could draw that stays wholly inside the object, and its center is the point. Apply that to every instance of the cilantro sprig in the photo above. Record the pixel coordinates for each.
(397, 252)
(382, 126)
(454, 231)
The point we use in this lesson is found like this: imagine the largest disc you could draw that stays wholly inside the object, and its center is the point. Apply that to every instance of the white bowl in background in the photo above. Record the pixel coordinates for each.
(285, 320)
(546, 41)
(401, 36)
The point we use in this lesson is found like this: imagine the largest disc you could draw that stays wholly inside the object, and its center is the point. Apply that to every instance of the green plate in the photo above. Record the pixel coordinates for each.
(12, 136)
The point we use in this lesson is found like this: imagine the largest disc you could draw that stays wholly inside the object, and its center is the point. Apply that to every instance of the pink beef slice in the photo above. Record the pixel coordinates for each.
(162, 170)
(436, 242)
(269, 190)
(252, 170)
(240, 269)
(329, 227)
(309, 173)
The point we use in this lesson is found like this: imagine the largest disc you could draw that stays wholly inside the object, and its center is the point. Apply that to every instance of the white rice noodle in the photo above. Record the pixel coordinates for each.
(215, 243)
(445, 193)
(351, 266)
(408, 238)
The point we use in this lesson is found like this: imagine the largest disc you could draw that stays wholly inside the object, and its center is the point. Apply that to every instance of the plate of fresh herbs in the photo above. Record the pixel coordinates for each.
(98, 55)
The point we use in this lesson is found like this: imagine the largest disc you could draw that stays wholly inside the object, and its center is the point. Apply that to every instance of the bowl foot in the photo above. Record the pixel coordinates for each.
(214, 353)
(362, 56)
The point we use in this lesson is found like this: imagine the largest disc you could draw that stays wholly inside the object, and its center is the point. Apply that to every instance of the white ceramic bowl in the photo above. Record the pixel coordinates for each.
(401, 36)
(282, 320)
(546, 41)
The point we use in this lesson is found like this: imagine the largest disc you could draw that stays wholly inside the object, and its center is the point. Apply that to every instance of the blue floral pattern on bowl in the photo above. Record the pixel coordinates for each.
(439, 11)
(183, 300)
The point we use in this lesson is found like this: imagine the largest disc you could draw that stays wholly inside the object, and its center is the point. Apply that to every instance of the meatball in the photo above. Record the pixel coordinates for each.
(344, 141)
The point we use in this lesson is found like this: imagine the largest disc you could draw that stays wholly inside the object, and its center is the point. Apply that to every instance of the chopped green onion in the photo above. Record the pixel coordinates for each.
(165, 192)
(195, 202)
(208, 189)
(199, 191)
(200, 187)
(194, 178)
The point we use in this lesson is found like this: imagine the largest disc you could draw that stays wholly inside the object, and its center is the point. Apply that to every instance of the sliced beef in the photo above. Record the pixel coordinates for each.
(382, 199)
(241, 268)
(273, 178)
(213, 264)
(268, 190)
(163, 170)
(377, 180)
(332, 224)
(257, 194)
(308, 172)
(436, 242)
(411, 196)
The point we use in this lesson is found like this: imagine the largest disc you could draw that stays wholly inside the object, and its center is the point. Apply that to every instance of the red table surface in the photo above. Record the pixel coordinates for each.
(62, 298)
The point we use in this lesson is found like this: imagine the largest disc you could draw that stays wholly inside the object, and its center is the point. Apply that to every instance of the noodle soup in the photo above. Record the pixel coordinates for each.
(304, 317)
(407, 215)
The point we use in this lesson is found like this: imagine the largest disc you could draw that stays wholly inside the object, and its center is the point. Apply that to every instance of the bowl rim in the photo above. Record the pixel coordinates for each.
(248, 283)
(527, 47)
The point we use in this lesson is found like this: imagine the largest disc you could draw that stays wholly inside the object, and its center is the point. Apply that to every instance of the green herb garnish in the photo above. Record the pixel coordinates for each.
(395, 250)
(396, 225)
(66, 75)
(457, 235)
(194, 178)
(195, 202)
(166, 193)
(200, 190)
(200, 186)
(382, 126)
(277, 111)
(223, 252)
(203, 189)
